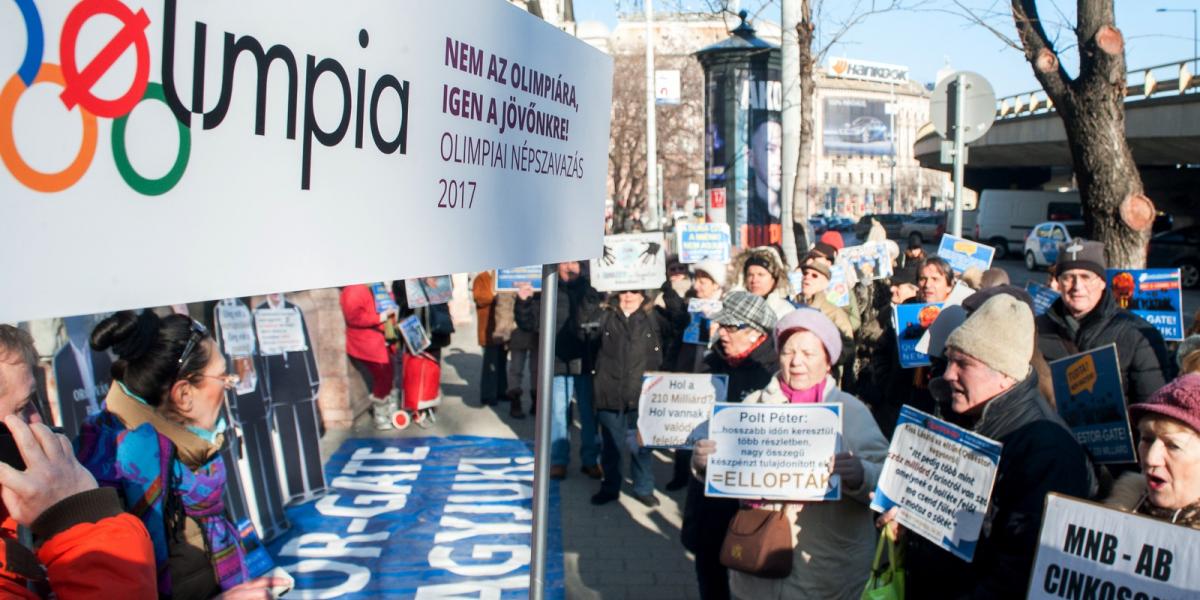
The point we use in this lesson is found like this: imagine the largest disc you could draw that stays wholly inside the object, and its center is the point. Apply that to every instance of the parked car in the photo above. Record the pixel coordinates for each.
(1179, 248)
(891, 224)
(923, 228)
(1006, 216)
(1046, 239)
(844, 224)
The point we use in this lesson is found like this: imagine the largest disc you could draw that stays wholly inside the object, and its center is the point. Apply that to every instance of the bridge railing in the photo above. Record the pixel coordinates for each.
(1168, 79)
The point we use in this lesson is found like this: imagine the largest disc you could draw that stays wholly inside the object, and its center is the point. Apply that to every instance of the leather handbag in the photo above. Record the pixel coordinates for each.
(759, 543)
(886, 583)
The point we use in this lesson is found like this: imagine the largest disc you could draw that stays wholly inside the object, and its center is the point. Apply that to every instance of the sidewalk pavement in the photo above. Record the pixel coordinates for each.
(622, 550)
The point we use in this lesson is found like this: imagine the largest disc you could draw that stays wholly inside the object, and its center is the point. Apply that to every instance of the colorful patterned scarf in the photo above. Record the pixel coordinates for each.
(142, 464)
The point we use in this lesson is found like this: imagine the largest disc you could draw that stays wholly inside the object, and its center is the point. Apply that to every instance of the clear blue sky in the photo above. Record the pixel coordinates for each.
(924, 39)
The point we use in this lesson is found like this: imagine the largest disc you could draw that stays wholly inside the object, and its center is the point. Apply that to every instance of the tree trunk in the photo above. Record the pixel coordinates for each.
(808, 88)
(1116, 211)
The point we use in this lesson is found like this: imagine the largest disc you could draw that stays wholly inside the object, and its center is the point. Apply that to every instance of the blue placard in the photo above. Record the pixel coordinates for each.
(699, 328)
(963, 254)
(1090, 398)
(911, 321)
(258, 560)
(424, 518)
(1043, 297)
(507, 280)
(1152, 294)
(703, 241)
(383, 298)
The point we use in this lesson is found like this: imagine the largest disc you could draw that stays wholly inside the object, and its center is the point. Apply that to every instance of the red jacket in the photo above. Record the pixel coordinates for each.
(364, 334)
(92, 549)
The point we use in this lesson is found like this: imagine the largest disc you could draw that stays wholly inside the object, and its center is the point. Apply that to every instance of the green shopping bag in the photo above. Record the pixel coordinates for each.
(886, 583)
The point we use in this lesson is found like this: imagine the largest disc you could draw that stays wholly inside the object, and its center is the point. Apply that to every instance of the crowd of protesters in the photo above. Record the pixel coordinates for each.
(783, 343)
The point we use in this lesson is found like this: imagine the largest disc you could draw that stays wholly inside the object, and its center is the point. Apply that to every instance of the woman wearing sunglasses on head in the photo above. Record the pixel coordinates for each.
(156, 440)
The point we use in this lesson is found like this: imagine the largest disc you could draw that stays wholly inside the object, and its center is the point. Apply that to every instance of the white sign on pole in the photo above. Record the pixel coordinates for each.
(630, 261)
(666, 87)
(674, 405)
(368, 142)
(1112, 554)
(941, 476)
(774, 451)
(279, 330)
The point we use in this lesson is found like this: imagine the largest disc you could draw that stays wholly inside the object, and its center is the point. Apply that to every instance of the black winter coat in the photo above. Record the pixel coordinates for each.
(577, 324)
(1039, 456)
(1145, 363)
(629, 346)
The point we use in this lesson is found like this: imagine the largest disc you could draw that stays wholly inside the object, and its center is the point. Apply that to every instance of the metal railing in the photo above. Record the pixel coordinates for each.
(1169, 79)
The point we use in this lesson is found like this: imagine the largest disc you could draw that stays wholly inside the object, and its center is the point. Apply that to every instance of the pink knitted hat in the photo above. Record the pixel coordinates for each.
(1179, 400)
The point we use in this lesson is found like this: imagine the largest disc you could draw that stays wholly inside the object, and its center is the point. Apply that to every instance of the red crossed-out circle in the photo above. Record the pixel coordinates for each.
(78, 89)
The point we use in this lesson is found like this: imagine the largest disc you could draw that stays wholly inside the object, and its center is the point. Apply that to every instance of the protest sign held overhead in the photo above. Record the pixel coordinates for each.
(912, 321)
(963, 254)
(774, 451)
(870, 261)
(1152, 294)
(631, 261)
(1091, 399)
(401, 133)
(1088, 551)
(674, 405)
(703, 241)
(941, 476)
(508, 280)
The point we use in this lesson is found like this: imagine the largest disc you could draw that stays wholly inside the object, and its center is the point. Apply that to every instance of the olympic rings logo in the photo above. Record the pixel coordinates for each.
(77, 85)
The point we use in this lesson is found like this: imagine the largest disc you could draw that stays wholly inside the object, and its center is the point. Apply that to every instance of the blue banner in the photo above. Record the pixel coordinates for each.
(1152, 294)
(1043, 297)
(699, 329)
(703, 241)
(508, 279)
(1091, 399)
(911, 322)
(422, 518)
(964, 254)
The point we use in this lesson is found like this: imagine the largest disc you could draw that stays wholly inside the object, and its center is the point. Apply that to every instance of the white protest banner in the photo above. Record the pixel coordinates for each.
(279, 330)
(367, 141)
(630, 261)
(1088, 551)
(869, 261)
(941, 476)
(237, 328)
(673, 405)
(774, 451)
(963, 254)
(703, 241)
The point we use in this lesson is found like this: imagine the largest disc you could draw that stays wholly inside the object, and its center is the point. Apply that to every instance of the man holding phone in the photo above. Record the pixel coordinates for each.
(89, 547)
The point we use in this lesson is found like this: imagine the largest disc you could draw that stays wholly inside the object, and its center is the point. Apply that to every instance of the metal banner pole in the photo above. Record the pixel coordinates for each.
(541, 437)
(960, 102)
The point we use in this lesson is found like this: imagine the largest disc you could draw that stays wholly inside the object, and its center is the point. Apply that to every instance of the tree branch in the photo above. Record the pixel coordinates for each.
(1047, 67)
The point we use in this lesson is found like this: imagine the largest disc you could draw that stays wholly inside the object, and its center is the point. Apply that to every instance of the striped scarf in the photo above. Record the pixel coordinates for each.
(142, 464)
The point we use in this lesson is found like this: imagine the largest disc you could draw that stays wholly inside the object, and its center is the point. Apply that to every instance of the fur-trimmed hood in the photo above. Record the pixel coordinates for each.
(737, 270)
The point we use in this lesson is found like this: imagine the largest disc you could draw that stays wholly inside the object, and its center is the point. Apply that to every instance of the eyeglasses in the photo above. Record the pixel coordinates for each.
(734, 328)
(229, 381)
(199, 332)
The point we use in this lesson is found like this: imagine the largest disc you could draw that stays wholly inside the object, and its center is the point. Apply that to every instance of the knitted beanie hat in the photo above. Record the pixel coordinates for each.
(999, 334)
(1179, 400)
(714, 270)
(810, 319)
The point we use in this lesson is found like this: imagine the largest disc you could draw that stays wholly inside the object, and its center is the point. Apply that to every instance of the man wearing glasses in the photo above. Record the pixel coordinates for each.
(89, 547)
(1087, 317)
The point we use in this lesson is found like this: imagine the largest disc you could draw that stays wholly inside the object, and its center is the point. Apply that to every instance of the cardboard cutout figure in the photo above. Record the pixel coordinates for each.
(81, 375)
(291, 382)
(251, 416)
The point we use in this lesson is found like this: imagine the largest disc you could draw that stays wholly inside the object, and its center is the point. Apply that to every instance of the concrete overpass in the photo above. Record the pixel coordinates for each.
(1162, 124)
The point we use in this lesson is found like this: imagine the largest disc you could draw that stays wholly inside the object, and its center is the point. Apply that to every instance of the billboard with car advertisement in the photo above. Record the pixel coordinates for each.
(857, 126)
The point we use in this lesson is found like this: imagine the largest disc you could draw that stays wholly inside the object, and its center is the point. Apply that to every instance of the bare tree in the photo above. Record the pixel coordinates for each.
(680, 135)
(1091, 105)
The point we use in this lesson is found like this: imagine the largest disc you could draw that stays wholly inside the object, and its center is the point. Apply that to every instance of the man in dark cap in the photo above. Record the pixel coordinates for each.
(1086, 317)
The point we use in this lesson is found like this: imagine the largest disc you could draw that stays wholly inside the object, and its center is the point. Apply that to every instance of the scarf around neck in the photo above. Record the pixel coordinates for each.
(811, 395)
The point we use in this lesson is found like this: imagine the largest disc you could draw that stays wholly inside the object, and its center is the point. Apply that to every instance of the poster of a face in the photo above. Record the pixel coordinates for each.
(766, 167)
(857, 126)
(761, 99)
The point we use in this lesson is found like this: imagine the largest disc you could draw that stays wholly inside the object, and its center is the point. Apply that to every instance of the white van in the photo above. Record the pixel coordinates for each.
(1006, 216)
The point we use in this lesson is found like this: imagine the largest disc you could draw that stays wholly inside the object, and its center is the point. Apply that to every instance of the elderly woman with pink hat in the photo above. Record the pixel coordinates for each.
(1168, 426)
(834, 541)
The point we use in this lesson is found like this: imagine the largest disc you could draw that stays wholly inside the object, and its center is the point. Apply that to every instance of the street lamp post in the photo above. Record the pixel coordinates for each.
(1195, 31)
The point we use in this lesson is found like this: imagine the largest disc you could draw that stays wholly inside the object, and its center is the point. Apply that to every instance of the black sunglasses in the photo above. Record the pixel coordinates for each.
(199, 332)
